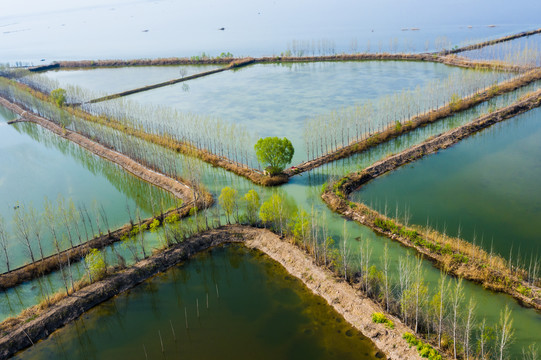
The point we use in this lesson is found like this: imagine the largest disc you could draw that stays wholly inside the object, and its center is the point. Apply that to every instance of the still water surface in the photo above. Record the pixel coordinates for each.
(255, 310)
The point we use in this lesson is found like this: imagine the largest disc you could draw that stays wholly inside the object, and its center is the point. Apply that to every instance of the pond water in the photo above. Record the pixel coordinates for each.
(277, 99)
(37, 164)
(248, 305)
(32, 31)
(305, 191)
(485, 187)
(105, 81)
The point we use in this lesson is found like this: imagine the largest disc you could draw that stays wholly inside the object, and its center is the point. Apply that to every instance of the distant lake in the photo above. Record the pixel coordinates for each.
(32, 30)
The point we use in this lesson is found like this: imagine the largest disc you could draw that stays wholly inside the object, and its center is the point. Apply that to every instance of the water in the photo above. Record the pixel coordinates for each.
(32, 31)
(277, 99)
(37, 164)
(305, 189)
(106, 81)
(486, 185)
(259, 311)
(521, 51)
(115, 30)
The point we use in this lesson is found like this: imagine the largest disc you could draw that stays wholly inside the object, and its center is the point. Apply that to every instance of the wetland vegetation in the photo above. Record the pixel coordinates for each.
(67, 187)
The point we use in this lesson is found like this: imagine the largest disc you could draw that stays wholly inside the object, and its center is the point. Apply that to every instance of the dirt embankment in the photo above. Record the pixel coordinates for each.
(232, 65)
(175, 187)
(18, 334)
(492, 42)
(54, 262)
(240, 169)
(233, 62)
(356, 308)
(420, 120)
(498, 276)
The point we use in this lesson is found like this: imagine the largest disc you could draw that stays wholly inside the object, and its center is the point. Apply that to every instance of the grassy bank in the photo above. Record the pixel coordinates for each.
(395, 130)
(164, 141)
(455, 256)
(438, 58)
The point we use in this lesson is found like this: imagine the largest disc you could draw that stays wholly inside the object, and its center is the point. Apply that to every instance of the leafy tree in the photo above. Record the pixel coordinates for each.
(96, 264)
(251, 200)
(301, 226)
(275, 153)
(59, 97)
(276, 211)
(228, 201)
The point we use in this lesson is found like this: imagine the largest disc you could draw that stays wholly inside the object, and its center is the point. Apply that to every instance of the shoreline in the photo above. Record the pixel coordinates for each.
(444, 58)
(336, 197)
(344, 298)
(418, 121)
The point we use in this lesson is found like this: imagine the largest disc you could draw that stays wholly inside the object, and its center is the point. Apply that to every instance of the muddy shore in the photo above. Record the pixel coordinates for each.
(337, 199)
(177, 188)
(345, 299)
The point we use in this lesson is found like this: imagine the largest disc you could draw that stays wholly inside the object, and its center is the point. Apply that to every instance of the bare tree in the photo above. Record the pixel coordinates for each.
(22, 227)
(532, 353)
(344, 253)
(4, 242)
(470, 319)
(505, 332)
(456, 301)
(386, 275)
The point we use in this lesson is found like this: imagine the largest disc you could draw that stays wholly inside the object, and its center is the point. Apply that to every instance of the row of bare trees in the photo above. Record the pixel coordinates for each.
(443, 313)
(219, 137)
(523, 51)
(341, 127)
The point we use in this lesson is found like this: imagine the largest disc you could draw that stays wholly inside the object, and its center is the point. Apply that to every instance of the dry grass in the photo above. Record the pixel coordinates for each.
(181, 147)
(422, 120)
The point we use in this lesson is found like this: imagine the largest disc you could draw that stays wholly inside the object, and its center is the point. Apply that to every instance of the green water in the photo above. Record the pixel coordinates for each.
(259, 311)
(305, 191)
(37, 164)
(488, 185)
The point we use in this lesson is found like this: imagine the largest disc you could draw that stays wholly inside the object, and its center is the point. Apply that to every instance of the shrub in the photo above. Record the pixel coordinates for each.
(424, 349)
(526, 291)
(172, 218)
(154, 225)
(59, 97)
(380, 318)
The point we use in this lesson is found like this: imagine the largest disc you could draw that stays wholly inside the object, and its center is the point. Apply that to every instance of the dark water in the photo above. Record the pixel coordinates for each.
(258, 312)
(486, 185)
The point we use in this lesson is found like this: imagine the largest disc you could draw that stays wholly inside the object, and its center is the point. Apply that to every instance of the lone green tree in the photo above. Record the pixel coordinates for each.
(275, 153)
(59, 97)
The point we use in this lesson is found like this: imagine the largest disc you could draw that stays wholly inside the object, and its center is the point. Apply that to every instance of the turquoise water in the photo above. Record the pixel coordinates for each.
(486, 187)
(31, 31)
(249, 307)
(305, 191)
(37, 164)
